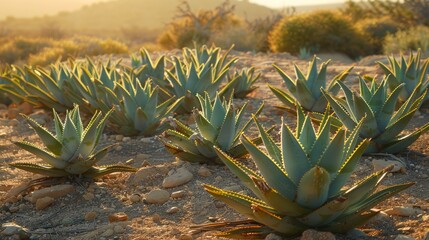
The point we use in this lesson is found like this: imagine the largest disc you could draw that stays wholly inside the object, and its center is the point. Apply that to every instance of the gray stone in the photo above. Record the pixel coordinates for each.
(404, 237)
(177, 178)
(404, 211)
(11, 228)
(311, 234)
(56, 191)
(157, 196)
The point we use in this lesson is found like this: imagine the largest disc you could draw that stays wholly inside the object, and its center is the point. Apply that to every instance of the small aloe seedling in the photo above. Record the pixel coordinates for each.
(218, 124)
(410, 72)
(305, 90)
(299, 182)
(71, 150)
(242, 83)
(382, 124)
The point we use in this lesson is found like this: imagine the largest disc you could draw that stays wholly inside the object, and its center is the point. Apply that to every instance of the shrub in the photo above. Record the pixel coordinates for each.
(320, 30)
(406, 40)
(375, 30)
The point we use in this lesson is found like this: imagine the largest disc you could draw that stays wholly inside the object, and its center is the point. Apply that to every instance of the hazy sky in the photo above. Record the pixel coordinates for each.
(282, 3)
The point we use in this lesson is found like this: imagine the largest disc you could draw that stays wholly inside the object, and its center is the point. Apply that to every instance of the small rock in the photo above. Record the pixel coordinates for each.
(88, 196)
(178, 194)
(126, 139)
(44, 202)
(56, 191)
(119, 138)
(156, 218)
(218, 179)
(118, 148)
(173, 210)
(13, 209)
(219, 204)
(135, 198)
(404, 237)
(118, 217)
(423, 176)
(273, 236)
(179, 177)
(404, 211)
(90, 216)
(204, 172)
(109, 232)
(142, 156)
(146, 140)
(425, 218)
(311, 234)
(157, 196)
(380, 164)
(10, 229)
(13, 123)
(67, 221)
(119, 229)
(379, 217)
(146, 174)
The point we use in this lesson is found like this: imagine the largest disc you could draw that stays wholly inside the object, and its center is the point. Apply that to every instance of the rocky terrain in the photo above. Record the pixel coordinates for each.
(164, 199)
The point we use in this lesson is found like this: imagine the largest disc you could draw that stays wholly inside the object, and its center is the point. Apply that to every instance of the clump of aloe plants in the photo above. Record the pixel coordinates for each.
(218, 124)
(71, 150)
(299, 182)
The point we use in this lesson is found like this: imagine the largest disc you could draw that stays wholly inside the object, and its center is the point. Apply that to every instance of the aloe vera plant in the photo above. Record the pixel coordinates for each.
(146, 69)
(410, 72)
(241, 83)
(202, 70)
(383, 124)
(71, 149)
(305, 89)
(218, 124)
(140, 111)
(299, 183)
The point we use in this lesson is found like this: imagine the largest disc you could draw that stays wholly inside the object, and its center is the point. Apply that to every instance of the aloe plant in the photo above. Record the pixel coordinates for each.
(202, 70)
(383, 124)
(146, 69)
(299, 183)
(305, 89)
(218, 124)
(410, 72)
(241, 83)
(71, 149)
(140, 111)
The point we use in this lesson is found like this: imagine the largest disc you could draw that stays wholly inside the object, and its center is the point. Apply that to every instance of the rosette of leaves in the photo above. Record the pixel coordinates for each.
(241, 83)
(145, 68)
(299, 182)
(412, 73)
(305, 89)
(140, 111)
(383, 124)
(71, 149)
(217, 124)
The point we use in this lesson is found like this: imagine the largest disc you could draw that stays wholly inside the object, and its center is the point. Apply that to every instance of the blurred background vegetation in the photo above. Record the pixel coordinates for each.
(356, 29)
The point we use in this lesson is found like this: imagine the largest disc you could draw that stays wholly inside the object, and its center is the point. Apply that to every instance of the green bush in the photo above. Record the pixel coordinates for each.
(406, 40)
(375, 30)
(321, 31)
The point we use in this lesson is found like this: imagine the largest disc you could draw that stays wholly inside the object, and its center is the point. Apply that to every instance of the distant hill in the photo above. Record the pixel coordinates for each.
(326, 6)
(117, 14)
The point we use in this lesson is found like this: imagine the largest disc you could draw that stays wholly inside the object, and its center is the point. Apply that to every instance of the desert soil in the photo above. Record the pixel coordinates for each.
(84, 213)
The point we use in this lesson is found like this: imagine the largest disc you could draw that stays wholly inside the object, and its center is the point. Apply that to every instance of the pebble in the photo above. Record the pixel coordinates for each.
(126, 139)
(44, 202)
(404, 237)
(13, 122)
(156, 218)
(13, 209)
(177, 178)
(119, 138)
(157, 196)
(90, 216)
(380, 164)
(273, 236)
(67, 221)
(204, 172)
(56, 191)
(118, 148)
(172, 210)
(218, 179)
(425, 218)
(146, 174)
(135, 198)
(142, 156)
(119, 229)
(118, 217)
(109, 232)
(88, 196)
(404, 211)
(10, 229)
(146, 140)
(178, 194)
(311, 234)
(423, 176)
